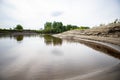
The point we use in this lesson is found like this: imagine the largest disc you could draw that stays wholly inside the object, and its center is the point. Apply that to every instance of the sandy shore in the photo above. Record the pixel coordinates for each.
(107, 33)
(96, 38)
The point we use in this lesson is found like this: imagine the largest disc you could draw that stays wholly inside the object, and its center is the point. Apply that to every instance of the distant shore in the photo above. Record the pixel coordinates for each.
(17, 32)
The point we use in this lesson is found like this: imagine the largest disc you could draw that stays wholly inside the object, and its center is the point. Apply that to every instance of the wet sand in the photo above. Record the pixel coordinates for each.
(68, 35)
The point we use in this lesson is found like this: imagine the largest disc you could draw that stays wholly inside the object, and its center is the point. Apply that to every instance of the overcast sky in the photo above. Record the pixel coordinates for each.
(32, 14)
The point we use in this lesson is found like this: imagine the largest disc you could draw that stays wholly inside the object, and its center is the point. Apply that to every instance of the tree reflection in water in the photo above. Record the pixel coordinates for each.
(50, 40)
(19, 38)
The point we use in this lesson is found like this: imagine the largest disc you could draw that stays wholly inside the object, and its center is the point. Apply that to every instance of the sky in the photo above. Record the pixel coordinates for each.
(33, 14)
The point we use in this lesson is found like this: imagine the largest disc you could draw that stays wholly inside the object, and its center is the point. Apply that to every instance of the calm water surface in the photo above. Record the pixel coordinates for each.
(43, 57)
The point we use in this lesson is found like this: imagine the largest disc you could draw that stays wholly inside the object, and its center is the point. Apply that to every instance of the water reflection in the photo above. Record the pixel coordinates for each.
(99, 47)
(19, 38)
(50, 40)
(6, 36)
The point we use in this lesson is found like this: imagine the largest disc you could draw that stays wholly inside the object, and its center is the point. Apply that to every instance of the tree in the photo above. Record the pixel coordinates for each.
(48, 26)
(18, 27)
(54, 24)
(57, 27)
(68, 27)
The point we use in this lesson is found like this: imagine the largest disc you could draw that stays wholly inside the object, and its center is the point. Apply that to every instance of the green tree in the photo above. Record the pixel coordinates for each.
(18, 27)
(57, 27)
(48, 26)
(68, 27)
(54, 24)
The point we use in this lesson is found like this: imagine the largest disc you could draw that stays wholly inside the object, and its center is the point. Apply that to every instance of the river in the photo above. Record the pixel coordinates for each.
(44, 57)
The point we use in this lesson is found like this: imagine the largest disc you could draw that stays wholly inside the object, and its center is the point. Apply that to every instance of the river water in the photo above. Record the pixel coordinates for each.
(43, 57)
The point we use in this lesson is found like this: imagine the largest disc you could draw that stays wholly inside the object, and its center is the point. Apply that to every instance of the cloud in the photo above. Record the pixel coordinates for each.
(33, 14)
(57, 13)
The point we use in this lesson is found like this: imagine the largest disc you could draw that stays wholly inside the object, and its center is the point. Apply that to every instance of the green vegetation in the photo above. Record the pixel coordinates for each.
(49, 28)
(18, 27)
(55, 27)
(58, 27)
(83, 28)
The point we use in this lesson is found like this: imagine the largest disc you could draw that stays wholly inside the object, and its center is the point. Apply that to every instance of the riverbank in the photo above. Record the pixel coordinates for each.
(18, 32)
(107, 33)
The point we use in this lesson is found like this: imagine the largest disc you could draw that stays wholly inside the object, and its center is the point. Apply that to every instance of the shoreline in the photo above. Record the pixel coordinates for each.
(107, 33)
(111, 40)
(19, 33)
(105, 47)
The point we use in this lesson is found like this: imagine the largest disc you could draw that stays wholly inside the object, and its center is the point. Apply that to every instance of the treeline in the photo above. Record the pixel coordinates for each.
(49, 28)
(18, 28)
(58, 27)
